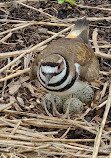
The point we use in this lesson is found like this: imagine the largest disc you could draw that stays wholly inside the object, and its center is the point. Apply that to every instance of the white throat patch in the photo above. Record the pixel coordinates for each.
(77, 68)
(48, 69)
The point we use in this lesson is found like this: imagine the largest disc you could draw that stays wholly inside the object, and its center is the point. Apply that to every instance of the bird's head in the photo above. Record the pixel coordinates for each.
(52, 68)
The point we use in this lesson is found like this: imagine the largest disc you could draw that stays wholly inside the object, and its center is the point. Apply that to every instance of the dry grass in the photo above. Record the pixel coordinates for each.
(25, 130)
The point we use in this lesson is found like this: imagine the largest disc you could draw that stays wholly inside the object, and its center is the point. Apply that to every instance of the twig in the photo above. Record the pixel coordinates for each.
(64, 135)
(53, 119)
(98, 136)
(102, 104)
(105, 73)
(5, 106)
(5, 38)
(90, 19)
(32, 0)
(16, 127)
(12, 62)
(32, 149)
(17, 28)
(14, 21)
(103, 46)
(18, 52)
(64, 150)
(31, 139)
(9, 2)
(36, 22)
(90, 7)
(39, 10)
(35, 47)
(20, 72)
(97, 52)
(56, 24)
(103, 55)
(94, 39)
(104, 90)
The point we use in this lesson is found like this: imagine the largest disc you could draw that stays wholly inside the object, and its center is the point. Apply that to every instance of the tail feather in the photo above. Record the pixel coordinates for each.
(81, 24)
(80, 29)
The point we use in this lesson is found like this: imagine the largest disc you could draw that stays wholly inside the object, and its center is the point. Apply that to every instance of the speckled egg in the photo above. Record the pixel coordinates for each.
(85, 95)
(76, 105)
(58, 102)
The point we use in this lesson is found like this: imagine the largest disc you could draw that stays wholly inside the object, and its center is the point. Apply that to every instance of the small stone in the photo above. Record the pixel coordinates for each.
(76, 105)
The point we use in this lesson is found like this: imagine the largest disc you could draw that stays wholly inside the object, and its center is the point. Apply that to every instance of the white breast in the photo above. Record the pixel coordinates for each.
(78, 85)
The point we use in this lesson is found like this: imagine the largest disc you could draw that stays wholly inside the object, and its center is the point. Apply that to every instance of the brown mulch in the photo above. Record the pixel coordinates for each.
(26, 27)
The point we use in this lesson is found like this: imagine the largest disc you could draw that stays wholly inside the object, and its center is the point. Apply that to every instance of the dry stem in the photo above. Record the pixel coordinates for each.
(99, 134)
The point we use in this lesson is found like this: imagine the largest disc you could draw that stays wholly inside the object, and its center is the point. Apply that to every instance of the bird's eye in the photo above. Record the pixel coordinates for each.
(59, 66)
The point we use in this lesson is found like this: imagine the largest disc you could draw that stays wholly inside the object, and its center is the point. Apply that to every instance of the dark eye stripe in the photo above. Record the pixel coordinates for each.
(52, 74)
(49, 64)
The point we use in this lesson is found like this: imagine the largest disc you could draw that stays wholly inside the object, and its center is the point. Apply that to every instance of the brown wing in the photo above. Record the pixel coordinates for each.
(76, 51)
(89, 65)
(84, 55)
(90, 71)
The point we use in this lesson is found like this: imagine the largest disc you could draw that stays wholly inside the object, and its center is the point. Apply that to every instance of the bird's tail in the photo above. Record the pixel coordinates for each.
(80, 29)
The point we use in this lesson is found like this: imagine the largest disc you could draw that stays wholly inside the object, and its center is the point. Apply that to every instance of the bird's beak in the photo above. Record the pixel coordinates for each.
(48, 77)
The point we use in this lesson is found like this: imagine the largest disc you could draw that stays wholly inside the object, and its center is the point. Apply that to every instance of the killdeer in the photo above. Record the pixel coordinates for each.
(67, 64)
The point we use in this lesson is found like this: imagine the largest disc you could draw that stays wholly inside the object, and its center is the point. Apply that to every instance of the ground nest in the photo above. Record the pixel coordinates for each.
(26, 28)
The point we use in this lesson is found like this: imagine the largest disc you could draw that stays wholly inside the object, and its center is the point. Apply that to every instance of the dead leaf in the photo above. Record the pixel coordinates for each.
(29, 86)
(20, 100)
(14, 89)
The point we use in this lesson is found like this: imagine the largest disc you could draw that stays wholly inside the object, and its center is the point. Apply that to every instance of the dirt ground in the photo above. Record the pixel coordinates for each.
(25, 129)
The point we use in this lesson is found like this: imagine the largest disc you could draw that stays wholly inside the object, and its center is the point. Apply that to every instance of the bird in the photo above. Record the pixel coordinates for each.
(67, 64)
